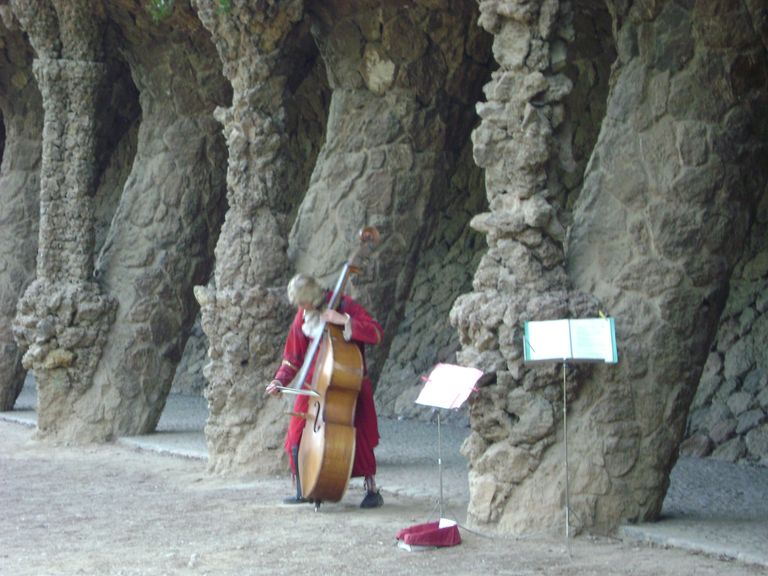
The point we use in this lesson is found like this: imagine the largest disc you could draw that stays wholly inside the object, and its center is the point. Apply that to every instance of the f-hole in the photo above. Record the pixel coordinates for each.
(315, 425)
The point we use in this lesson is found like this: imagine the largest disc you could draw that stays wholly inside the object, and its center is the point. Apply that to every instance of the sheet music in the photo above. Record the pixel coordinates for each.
(586, 339)
(548, 339)
(592, 339)
(448, 386)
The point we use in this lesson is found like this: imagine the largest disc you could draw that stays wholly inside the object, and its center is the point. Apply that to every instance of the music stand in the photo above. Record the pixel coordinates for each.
(448, 386)
(570, 340)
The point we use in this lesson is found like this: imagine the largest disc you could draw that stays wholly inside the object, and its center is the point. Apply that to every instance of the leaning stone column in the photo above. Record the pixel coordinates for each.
(19, 190)
(63, 316)
(403, 82)
(667, 206)
(160, 242)
(244, 311)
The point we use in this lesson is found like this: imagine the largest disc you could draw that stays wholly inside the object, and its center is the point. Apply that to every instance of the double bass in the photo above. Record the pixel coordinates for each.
(327, 448)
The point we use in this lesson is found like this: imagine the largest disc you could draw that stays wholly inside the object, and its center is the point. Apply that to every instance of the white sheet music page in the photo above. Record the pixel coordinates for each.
(593, 339)
(548, 340)
(448, 386)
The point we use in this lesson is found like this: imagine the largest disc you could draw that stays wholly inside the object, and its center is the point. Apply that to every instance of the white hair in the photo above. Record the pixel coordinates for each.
(304, 289)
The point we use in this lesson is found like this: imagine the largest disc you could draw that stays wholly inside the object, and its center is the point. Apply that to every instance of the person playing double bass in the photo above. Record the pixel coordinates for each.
(310, 299)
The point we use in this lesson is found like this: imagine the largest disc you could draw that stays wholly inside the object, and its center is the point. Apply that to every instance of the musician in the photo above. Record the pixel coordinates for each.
(311, 301)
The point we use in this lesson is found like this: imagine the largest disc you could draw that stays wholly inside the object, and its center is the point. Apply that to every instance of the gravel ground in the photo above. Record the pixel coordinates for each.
(700, 489)
(109, 510)
(714, 507)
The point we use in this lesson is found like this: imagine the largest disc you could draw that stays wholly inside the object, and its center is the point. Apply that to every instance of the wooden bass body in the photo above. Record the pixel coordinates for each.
(327, 448)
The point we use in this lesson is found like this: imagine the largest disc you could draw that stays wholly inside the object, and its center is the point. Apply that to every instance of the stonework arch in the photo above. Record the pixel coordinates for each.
(404, 80)
(728, 419)
(161, 238)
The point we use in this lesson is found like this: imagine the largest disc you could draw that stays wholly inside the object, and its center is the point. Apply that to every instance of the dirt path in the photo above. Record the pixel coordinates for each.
(109, 510)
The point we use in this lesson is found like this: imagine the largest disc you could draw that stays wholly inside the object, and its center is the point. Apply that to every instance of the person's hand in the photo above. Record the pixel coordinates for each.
(272, 388)
(334, 317)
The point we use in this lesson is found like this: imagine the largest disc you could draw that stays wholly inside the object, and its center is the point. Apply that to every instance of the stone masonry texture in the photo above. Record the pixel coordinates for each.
(165, 173)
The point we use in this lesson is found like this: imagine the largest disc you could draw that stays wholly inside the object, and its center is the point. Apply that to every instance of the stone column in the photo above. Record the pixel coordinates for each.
(670, 197)
(523, 275)
(244, 311)
(19, 190)
(63, 316)
(662, 217)
(160, 243)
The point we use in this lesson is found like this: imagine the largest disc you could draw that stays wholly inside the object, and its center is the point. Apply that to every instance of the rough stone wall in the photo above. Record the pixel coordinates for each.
(583, 52)
(20, 150)
(188, 379)
(445, 268)
(118, 129)
(729, 413)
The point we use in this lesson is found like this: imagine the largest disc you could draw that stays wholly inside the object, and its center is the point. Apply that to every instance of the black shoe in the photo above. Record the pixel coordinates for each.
(295, 500)
(372, 500)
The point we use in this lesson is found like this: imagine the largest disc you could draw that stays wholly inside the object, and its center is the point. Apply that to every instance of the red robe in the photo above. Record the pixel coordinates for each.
(365, 330)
